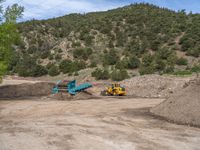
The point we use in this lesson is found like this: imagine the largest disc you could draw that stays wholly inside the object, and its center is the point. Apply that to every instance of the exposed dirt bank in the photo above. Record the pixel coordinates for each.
(24, 90)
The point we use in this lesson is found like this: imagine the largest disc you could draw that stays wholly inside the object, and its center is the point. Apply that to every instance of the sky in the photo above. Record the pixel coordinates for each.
(44, 9)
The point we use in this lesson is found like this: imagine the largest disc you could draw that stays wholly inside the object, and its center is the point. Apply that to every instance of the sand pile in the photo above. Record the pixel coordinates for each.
(25, 90)
(182, 107)
(154, 85)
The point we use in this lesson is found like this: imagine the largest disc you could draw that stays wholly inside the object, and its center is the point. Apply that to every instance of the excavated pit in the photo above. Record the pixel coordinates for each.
(25, 90)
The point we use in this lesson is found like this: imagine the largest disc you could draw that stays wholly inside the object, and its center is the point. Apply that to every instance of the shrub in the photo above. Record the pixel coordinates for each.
(119, 75)
(111, 58)
(196, 68)
(76, 44)
(133, 63)
(65, 66)
(147, 66)
(45, 55)
(101, 74)
(39, 71)
(82, 53)
(182, 61)
(194, 52)
(50, 57)
(58, 57)
(54, 71)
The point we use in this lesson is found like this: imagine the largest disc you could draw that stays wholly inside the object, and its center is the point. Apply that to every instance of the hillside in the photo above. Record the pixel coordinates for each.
(139, 37)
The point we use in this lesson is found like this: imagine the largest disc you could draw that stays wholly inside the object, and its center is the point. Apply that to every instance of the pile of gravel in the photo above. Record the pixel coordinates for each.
(182, 107)
(154, 86)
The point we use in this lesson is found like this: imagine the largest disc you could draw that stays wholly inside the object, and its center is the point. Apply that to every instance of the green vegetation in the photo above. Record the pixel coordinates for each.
(54, 70)
(82, 53)
(119, 75)
(183, 73)
(196, 69)
(8, 34)
(68, 66)
(139, 36)
(182, 61)
(115, 75)
(101, 74)
(28, 67)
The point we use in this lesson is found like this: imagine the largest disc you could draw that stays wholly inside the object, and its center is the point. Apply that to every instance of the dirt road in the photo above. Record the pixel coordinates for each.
(101, 124)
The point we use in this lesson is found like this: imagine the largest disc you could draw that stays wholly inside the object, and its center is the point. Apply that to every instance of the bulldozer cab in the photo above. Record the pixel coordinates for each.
(114, 85)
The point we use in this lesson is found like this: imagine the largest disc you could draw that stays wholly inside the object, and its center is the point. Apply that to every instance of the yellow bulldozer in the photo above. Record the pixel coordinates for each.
(114, 89)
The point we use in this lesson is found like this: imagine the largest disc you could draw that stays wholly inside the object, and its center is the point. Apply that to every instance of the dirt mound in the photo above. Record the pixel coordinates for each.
(154, 86)
(66, 96)
(182, 107)
(25, 90)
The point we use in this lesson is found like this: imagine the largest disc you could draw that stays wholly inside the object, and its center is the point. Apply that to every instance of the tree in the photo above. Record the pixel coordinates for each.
(119, 75)
(65, 66)
(8, 33)
(54, 70)
(133, 63)
(147, 66)
(82, 53)
(100, 74)
(111, 58)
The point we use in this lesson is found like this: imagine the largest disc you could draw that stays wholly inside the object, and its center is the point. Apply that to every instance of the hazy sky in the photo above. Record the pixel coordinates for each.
(43, 9)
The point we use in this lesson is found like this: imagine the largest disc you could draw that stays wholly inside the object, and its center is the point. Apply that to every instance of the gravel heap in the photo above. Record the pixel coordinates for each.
(154, 86)
(182, 107)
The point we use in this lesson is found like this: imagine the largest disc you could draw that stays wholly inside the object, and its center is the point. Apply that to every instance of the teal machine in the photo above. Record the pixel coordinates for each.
(70, 87)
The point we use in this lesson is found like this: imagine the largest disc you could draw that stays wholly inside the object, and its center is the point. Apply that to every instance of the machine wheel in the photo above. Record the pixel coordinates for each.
(115, 94)
(104, 93)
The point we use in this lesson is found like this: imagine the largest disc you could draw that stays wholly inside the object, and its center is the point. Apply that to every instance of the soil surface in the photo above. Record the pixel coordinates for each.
(95, 124)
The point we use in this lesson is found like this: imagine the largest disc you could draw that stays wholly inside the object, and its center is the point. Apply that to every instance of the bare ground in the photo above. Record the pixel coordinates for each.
(100, 124)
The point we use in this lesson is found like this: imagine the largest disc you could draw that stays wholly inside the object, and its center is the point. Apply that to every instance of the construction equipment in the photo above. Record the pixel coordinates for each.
(70, 87)
(114, 90)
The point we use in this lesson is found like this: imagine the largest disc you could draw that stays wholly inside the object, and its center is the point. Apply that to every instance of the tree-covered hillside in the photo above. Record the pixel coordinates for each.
(140, 36)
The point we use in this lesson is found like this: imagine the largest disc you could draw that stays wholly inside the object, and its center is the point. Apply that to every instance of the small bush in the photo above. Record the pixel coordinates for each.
(58, 57)
(182, 61)
(119, 75)
(133, 63)
(195, 69)
(65, 66)
(111, 58)
(45, 55)
(101, 74)
(54, 71)
(82, 53)
(39, 71)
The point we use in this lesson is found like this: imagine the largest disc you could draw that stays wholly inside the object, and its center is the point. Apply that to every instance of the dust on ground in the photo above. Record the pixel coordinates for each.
(107, 123)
